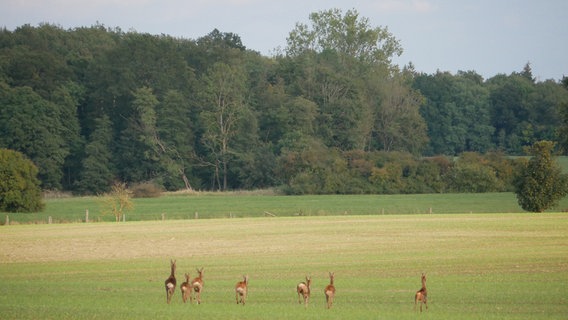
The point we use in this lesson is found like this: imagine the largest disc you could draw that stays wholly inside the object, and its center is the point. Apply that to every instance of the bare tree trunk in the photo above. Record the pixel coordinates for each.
(185, 180)
(224, 175)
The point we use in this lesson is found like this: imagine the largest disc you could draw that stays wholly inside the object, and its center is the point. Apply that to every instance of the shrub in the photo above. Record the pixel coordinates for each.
(19, 185)
(540, 184)
(146, 190)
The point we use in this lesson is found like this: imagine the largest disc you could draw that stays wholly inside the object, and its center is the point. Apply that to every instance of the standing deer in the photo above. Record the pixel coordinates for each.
(185, 288)
(197, 285)
(330, 290)
(171, 282)
(241, 290)
(421, 295)
(303, 289)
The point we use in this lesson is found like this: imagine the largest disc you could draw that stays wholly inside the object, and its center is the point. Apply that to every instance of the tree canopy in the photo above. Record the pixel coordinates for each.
(330, 114)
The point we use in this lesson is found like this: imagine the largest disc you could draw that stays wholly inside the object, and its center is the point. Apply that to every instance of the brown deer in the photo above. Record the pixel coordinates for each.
(171, 282)
(421, 295)
(241, 290)
(330, 291)
(185, 288)
(197, 285)
(303, 289)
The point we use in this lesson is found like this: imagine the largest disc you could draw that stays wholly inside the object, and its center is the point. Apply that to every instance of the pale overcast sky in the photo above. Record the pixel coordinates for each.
(486, 36)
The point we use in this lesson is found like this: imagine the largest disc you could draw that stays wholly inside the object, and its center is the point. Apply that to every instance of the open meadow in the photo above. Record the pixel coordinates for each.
(479, 266)
(207, 205)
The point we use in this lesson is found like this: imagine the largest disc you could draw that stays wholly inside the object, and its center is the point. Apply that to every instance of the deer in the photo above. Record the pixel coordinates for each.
(330, 291)
(241, 290)
(303, 289)
(185, 289)
(421, 296)
(197, 286)
(171, 282)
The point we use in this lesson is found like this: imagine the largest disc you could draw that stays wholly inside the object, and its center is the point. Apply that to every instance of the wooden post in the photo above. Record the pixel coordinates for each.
(196, 215)
(163, 216)
(124, 218)
(7, 220)
(430, 212)
(49, 220)
(86, 215)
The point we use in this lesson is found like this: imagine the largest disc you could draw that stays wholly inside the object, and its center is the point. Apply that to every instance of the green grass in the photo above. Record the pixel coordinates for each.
(479, 266)
(225, 205)
(563, 163)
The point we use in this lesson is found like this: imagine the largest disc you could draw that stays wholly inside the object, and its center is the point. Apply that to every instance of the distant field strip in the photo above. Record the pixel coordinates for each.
(234, 205)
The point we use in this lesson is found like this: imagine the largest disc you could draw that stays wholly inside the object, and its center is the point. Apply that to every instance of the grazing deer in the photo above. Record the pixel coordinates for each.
(330, 290)
(421, 295)
(197, 285)
(241, 290)
(171, 282)
(185, 288)
(303, 289)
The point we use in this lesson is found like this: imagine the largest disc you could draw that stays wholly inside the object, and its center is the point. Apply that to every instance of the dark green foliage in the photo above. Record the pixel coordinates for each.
(314, 170)
(456, 110)
(332, 114)
(19, 186)
(34, 126)
(540, 184)
(97, 173)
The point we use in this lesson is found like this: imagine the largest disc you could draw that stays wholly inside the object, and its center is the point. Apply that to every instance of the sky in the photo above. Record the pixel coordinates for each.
(489, 37)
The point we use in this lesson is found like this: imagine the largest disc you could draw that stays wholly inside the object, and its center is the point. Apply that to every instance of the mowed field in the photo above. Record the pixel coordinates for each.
(479, 266)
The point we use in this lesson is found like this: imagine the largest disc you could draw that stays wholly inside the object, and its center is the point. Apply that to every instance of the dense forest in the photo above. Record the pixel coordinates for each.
(330, 113)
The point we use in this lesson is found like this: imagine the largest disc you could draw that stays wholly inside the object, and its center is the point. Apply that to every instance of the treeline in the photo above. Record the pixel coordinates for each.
(330, 113)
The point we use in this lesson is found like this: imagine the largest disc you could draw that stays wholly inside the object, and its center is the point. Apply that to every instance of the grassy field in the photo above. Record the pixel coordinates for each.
(479, 266)
(239, 205)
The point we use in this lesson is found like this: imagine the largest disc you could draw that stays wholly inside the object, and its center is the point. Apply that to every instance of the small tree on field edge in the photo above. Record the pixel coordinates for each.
(540, 185)
(117, 201)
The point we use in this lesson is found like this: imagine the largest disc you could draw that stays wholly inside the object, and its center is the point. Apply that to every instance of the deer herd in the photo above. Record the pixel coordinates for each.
(303, 289)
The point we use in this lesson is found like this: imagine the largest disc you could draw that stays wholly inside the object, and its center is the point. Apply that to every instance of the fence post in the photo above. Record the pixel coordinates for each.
(196, 215)
(124, 217)
(163, 216)
(49, 220)
(7, 220)
(86, 215)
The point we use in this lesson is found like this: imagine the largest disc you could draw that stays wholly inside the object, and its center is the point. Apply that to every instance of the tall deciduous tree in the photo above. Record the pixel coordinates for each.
(342, 57)
(140, 146)
(398, 124)
(541, 184)
(176, 133)
(224, 98)
(348, 34)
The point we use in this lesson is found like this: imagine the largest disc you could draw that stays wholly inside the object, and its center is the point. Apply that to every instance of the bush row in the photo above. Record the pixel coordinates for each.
(397, 172)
